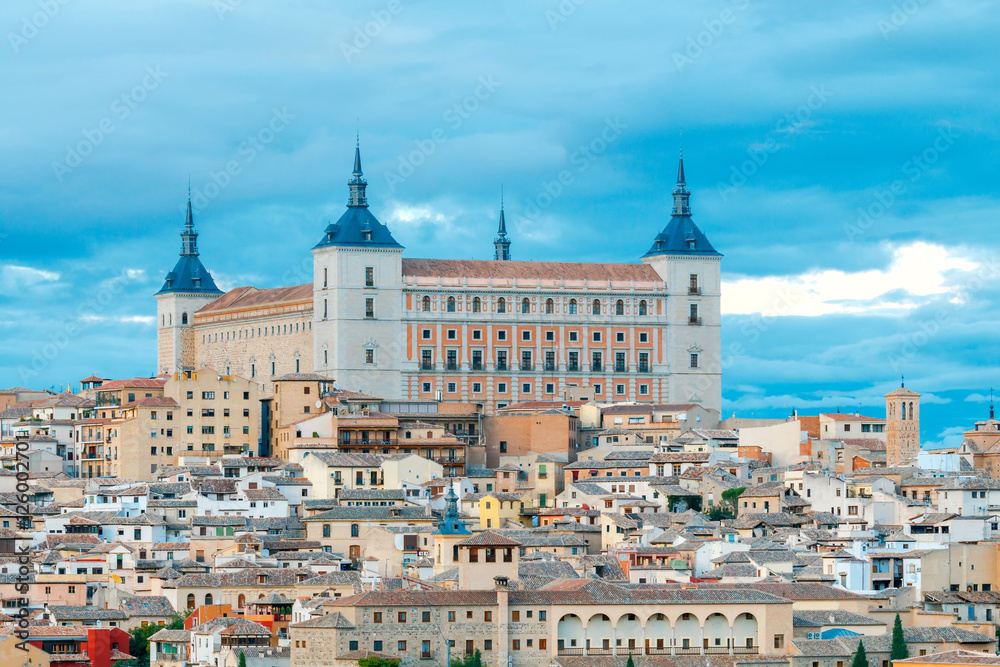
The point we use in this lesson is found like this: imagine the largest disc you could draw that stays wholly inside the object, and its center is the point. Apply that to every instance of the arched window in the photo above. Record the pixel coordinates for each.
(451, 304)
(596, 307)
(572, 306)
(911, 411)
(190, 600)
(477, 305)
(550, 307)
(642, 307)
(903, 404)
(525, 306)
(501, 306)
(242, 601)
(354, 530)
(209, 599)
(184, 318)
(427, 304)
(326, 530)
(619, 307)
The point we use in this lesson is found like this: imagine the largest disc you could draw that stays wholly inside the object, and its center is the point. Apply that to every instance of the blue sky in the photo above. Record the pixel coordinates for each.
(842, 155)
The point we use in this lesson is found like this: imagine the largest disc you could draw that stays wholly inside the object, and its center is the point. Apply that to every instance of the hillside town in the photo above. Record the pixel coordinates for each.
(320, 525)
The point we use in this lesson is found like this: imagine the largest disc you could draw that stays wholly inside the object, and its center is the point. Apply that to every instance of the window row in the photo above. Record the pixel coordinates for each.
(573, 362)
(574, 307)
(620, 389)
(258, 332)
(596, 336)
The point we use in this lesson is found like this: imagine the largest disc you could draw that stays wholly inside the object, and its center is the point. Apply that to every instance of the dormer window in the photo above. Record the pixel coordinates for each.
(690, 243)
(366, 235)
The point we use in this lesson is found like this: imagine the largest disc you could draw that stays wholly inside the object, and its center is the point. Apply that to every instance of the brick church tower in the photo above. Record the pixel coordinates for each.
(902, 416)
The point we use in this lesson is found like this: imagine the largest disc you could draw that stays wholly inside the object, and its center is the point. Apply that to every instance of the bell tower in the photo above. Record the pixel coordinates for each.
(902, 418)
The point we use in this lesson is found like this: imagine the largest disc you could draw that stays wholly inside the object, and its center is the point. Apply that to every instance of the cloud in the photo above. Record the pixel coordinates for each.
(14, 278)
(917, 273)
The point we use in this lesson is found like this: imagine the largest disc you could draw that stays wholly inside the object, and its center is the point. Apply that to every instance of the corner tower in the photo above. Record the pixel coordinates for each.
(358, 336)
(691, 270)
(188, 287)
(902, 432)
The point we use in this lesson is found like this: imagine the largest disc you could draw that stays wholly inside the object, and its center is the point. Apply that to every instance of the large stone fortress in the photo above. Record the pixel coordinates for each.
(494, 332)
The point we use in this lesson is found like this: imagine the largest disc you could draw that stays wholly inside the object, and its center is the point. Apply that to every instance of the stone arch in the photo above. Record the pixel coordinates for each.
(570, 632)
(745, 631)
(600, 632)
(687, 632)
(716, 632)
(658, 632)
(628, 631)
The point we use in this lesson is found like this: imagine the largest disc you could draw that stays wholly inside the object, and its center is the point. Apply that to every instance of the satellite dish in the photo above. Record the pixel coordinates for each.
(319, 404)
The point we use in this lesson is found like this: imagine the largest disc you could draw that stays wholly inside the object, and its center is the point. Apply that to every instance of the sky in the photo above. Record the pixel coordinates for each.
(841, 155)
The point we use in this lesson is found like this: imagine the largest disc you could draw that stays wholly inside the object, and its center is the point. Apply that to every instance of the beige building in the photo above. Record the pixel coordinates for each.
(220, 414)
(567, 618)
(484, 332)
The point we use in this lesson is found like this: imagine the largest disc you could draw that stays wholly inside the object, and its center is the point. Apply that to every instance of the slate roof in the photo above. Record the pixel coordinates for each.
(146, 605)
(815, 619)
(85, 613)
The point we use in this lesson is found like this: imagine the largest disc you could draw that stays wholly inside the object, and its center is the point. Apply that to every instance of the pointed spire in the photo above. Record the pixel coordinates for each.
(357, 184)
(991, 404)
(682, 196)
(501, 244)
(189, 237)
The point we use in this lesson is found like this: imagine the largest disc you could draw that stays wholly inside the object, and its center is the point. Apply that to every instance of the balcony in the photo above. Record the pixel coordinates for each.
(694, 290)
(426, 365)
(501, 365)
(621, 368)
(451, 366)
(526, 366)
(573, 367)
(426, 655)
(696, 321)
(745, 650)
(550, 366)
(596, 367)
(600, 651)
(642, 368)
(570, 651)
(477, 365)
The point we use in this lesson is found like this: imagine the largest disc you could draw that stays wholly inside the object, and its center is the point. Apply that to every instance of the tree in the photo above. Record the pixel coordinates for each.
(376, 661)
(471, 660)
(726, 509)
(138, 644)
(899, 650)
(243, 660)
(860, 659)
(629, 663)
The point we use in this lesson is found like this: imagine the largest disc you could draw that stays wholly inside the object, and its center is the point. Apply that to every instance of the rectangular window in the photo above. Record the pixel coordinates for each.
(369, 276)
(370, 307)
(401, 617)
(597, 336)
(477, 388)
(369, 356)
(694, 360)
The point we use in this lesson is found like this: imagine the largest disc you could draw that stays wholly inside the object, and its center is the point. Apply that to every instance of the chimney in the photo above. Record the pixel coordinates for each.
(503, 619)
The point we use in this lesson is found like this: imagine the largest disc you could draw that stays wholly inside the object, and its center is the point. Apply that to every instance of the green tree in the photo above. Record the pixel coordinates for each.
(375, 661)
(860, 659)
(138, 644)
(629, 663)
(899, 650)
(243, 660)
(471, 660)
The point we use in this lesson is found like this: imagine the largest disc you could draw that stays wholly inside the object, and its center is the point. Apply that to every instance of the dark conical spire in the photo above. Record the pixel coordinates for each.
(501, 244)
(189, 274)
(189, 237)
(682, 196)
(357, 184)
